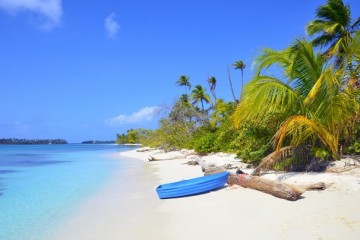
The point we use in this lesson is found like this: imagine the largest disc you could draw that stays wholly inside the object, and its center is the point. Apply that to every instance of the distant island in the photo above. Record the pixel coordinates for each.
(32, 141)
(98, 142)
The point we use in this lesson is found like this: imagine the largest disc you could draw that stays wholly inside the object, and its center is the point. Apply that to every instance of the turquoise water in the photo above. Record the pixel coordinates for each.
(41, 185)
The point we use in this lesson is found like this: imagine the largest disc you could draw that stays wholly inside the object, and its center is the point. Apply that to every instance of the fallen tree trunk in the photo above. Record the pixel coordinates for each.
(151, 158)
(213, 170)
(333, 170)
(209, 169)
(314, 186)
(275, 188)
(203, 164)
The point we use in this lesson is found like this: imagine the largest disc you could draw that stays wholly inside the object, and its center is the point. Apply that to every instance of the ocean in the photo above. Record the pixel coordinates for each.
(42, 185)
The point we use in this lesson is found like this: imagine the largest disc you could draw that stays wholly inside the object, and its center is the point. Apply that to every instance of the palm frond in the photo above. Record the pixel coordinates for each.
(275, 157)
(307, 66)
(324, 86)
(321, 26)
(264, 95)
(324, 41)
(334, 28)
(269, 57)
(334, 11)
(336, 111)
(301, 129)
(355, 25)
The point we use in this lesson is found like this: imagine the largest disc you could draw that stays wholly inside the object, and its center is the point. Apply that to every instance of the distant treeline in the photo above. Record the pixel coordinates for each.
(98, 142)
(132, 136)
(32, 141)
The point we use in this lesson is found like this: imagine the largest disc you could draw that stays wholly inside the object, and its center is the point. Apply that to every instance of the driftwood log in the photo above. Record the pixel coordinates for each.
(314, 186)
(275, 188)
(345, 169)
(213, 170)
(152, 158)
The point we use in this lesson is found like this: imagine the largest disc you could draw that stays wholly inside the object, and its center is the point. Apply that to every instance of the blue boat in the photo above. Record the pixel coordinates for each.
(192, 186)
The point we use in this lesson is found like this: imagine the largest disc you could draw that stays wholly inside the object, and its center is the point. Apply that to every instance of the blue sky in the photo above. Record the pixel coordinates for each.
(81, 70)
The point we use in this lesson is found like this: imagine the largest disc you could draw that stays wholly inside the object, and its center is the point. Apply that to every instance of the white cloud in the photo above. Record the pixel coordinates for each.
(146, 113)
(111, 25)
(51, 10)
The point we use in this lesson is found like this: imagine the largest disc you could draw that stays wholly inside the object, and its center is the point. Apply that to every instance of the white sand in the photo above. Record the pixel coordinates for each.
(229, 213)
(119, 211)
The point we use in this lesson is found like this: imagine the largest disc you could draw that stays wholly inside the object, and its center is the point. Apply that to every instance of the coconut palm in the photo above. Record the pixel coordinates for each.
(312, 105)
(184, 81)
(212, 85)
(199, 95)
(333, 28)
(240, 65)
(231, 86)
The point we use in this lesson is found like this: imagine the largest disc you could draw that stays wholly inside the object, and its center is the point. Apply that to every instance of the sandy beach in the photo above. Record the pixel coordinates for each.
(230, 213)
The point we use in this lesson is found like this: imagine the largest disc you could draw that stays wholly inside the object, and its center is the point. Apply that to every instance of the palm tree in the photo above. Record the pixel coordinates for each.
(231, 86)
(212, 85)
(199, 95)
(240, 65)
(184, 81)
(333, 28)
(312, 105)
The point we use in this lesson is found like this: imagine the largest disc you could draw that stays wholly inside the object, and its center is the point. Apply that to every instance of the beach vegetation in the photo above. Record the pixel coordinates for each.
(206, 143)
(354, 148)
(132, 136)
(253, 141)
(351, 145)
(308, 111)
(177, 127)
(121, 138)
(313, 104)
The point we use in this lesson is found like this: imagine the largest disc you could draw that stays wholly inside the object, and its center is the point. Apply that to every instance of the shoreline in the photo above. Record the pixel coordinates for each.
(222, 214)
(118, 210)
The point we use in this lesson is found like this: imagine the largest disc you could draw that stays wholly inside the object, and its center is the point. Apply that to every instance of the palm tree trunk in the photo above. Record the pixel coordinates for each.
(212, 92)
(242, 84)
(231, 86)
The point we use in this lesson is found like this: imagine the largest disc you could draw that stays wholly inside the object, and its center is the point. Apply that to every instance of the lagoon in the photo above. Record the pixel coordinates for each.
(43, 185)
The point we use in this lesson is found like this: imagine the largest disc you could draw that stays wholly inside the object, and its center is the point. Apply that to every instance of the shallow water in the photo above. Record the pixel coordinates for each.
(41, 185)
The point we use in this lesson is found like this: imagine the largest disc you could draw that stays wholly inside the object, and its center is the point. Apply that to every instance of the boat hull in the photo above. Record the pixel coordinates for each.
(192, 186)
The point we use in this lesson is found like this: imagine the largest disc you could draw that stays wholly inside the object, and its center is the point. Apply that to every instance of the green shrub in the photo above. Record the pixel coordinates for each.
(253, 142)
(283, 165)
(354, 148)
(320, 153)
(205, 144)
